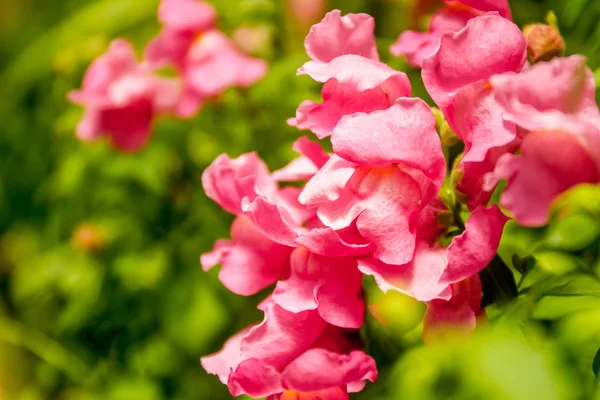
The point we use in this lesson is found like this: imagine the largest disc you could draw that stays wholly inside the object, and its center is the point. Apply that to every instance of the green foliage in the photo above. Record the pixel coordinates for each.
(101, 292)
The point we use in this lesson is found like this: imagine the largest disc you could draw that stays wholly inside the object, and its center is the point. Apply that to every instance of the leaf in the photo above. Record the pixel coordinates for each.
(556, 262)
(498, 283)
(573, 232)
(596, 363)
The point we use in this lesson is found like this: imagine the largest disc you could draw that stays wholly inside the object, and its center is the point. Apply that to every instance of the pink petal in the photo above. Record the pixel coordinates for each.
(311, 150)
(282, 336)
(187, 15)
(402, 134)
(332, 286)
(473, 250)
(328, 183)
(335, 36)
(459, 313)
(250, 262)
(299, 169)
(214, 55)
(255, 379)
(383, 202)
(419, 278)
(327, 242)
(227, 181)
(227, 359)
(550, 163)
(565, 85)
(487, 46)
(301, 121)
(269, 219)
(416, 46)
(488, 5)
(319, 369)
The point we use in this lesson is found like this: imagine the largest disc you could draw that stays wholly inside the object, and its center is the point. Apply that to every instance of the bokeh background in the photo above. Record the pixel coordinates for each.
(101, 292)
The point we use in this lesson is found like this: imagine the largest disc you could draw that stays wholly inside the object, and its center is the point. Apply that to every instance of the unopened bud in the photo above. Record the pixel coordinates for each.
(447, 136)
(544, 42)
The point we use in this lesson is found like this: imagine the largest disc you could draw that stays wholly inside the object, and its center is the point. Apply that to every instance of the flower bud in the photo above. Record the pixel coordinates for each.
(88, 237)
(543, 42)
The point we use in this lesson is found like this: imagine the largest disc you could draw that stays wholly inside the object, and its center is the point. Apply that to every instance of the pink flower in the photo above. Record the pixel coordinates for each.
(270, 224)
(460, 313)
(351, 84)
(207, 60)
(553, 103)
(433, 268)
(122, 98)
(307, 12)
(249, 261)
(291, 352)
(454, 16)
(488, 46)
(383, 187)
(336, 36)
(332, 286)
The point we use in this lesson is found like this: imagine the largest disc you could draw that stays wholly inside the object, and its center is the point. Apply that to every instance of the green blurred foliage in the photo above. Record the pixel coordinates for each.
(102, 296)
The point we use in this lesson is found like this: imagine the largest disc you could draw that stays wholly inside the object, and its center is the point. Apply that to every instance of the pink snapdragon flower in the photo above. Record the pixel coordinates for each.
(251, 261)
(336, 36)
(454, 16)
(270, 221)
(457, 76)
(292, 353)
(393, 166)
(554, 105)
(433, 268)
(207, 60)
(122, 97)
(345, 60)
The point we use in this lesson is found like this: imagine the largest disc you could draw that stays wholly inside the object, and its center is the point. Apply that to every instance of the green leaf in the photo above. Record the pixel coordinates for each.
(596, 363)
(573, 232)
(556, 262)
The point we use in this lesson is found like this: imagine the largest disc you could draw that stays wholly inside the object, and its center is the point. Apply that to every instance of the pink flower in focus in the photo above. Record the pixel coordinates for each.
(207, 60)
(121, 98)
(249, 261)
(292, 353)
(488, 46)
(395, 167)
(454, 16)
(460, 313)
(351, 84)
(433, 268)
(554, 105)
(332, 286)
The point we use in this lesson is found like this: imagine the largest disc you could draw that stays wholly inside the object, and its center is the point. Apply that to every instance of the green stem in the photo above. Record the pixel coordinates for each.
(19, 335)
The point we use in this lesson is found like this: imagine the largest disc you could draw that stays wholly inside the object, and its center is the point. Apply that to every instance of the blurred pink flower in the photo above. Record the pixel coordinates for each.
(122, 97)
(454, 16)
(292, 353)
(307, 12)
(457, 77)
(208, 61)
(553, 103)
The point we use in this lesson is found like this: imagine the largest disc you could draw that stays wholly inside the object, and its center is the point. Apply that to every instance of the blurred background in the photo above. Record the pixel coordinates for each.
(101, 292)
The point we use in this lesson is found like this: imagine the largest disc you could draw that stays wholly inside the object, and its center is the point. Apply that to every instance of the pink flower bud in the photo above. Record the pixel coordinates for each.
(543, 42)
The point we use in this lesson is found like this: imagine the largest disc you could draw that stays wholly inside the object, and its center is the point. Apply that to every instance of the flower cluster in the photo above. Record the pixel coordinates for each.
(122, 96)
(373, 206)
